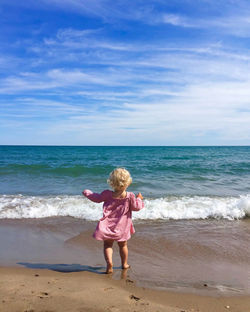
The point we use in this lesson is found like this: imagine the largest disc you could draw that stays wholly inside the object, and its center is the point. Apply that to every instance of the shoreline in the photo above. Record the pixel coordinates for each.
(172, 259)
(37, 290)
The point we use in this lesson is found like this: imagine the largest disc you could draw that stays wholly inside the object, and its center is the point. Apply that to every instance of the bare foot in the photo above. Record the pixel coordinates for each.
(126, 266)
(109, 268)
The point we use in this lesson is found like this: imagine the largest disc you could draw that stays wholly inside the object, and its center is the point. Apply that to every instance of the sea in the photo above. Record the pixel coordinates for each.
(193, 234)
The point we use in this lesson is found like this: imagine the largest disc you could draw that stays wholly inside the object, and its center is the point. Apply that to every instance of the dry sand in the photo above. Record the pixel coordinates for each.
(33, 290)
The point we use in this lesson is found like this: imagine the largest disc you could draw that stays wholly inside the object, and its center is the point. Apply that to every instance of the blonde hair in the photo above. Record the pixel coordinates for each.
(119, 178)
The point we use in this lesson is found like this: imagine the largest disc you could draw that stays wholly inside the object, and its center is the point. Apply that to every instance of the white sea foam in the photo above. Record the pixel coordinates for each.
(183, 207)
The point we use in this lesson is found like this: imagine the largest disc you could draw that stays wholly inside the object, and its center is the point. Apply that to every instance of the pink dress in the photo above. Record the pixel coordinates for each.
(116, 223)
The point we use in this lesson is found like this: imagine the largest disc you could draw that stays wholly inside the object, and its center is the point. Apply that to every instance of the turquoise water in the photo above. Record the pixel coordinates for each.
(176, 182)
(156, 171)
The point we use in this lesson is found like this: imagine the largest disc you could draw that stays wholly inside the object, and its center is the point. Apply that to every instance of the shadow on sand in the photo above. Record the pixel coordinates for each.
(65, 268)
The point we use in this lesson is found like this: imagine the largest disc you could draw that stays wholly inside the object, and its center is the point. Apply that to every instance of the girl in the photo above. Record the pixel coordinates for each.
(116, 223)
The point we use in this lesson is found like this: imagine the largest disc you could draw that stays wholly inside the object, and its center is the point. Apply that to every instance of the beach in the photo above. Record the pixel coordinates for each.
(190, 250)
(178, 255)
(125, 143)
(32, 290)
(44, 267)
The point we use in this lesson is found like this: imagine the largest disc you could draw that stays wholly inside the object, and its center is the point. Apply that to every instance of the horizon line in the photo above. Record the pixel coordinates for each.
(56, 145)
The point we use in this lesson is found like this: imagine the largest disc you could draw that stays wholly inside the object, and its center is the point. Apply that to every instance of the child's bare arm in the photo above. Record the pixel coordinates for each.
(136, 203)
(95, 197)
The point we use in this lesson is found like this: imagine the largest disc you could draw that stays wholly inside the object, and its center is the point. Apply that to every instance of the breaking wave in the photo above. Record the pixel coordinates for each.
(165, 208)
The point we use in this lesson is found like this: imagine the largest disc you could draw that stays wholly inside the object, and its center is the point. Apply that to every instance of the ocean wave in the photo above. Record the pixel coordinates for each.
(164, 208)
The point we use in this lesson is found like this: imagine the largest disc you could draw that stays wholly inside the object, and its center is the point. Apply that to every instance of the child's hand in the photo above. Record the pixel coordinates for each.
(139, 195)
(86, 193)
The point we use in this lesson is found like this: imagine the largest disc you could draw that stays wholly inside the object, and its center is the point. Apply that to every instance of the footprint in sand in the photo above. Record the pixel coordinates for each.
(113, 309)
(135, 298)
(108, 288)
(43, 295)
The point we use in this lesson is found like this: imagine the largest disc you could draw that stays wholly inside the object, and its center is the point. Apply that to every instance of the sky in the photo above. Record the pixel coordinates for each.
(141, 72)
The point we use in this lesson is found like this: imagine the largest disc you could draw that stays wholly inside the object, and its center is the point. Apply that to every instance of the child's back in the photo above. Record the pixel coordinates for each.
(116, 223)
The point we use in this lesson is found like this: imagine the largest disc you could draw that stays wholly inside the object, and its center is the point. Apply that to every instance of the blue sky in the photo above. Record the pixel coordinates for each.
(102, 72)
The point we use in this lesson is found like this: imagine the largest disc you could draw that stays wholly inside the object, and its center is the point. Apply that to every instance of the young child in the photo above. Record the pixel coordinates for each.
(116, 223)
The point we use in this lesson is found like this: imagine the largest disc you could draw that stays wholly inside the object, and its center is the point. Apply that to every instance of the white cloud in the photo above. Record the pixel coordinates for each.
(176, 20)
(77, 34)
(188, 116)
(77, 39)
(231, 23)
(141, 92)
(55, 79)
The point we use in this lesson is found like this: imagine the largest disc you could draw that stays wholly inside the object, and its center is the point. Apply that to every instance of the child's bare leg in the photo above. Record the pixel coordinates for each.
(123, 246)
(108, 252)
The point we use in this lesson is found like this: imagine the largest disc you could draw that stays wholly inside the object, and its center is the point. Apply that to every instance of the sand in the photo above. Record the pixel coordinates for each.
(34, 290)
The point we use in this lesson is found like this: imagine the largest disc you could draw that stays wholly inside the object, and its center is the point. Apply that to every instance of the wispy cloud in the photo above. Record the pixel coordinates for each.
(133, 73)
(176, 20)
(70, 33)
(76, 39)
(231, 18)
(55, 79)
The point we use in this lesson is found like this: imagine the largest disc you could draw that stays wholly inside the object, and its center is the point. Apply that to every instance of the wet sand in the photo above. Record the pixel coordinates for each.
(54, 265)
(180, 256)
(34, 290)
